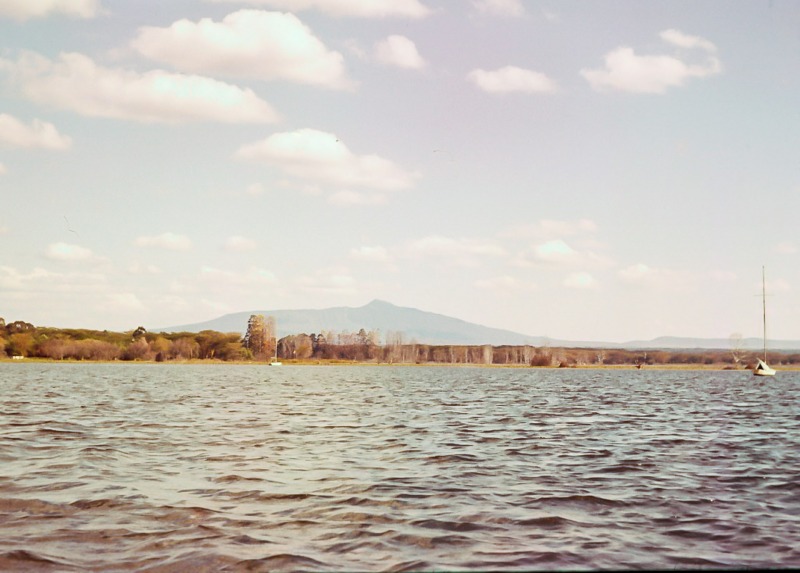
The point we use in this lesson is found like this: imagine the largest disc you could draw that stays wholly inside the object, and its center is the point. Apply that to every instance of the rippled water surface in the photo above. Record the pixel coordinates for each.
(120, 467)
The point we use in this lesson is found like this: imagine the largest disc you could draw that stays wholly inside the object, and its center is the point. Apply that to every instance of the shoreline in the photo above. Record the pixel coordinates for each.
(293, 362)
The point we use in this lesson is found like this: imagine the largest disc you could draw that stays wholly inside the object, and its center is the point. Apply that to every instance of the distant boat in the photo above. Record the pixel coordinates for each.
(276, 363)
(762, 368)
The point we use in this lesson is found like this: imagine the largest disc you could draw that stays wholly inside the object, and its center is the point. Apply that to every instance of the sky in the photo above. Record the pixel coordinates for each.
(612, 170)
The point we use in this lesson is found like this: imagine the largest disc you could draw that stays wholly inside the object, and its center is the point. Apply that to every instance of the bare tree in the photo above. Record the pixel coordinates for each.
(737, 342)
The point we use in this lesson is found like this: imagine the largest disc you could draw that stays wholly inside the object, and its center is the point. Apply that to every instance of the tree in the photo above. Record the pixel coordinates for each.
(298, 346)
(737, 342)
(19, 326)
(185, 348)
(257, 339)
(137, 350)
(219, 345)
(20, 344)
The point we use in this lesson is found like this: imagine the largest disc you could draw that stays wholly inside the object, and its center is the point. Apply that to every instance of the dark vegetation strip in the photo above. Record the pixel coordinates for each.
(22, 339)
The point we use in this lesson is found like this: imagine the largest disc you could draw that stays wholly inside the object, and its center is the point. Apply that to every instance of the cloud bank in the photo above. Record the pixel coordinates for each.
(75, 82)
(512, 79)
(626, 71)
(39, 134)
(399, 51)
(353, 8)
(319, 156)
(246, 44)
(505, 8)
(27, 9)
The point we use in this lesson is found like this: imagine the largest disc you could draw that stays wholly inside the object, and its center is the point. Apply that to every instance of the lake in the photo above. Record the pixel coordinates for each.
(161, 467)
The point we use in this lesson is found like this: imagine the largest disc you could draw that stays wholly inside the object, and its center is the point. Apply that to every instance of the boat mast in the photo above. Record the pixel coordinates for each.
(764, 306)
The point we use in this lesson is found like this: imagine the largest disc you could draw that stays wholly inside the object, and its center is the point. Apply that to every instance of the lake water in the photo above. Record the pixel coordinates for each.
(158, 467)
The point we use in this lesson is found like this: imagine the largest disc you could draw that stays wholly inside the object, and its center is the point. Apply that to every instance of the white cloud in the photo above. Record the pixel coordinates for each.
(642, 275)
(461, 251)
(399, 51)
(122, 302)
(169, 241)
(12, 279)
(682, 40)
(67, 252)
(547, 228)
(239, 244)
(580, 280)
(512, 79)
(26, 9)
(558, 242)
(40, 280)
(138, 268)
(636, 273)
(253, 276)
(246, 44)
(321, 157)
(39, 134)
(77, 83)
(626, 71)
(555, 250)
(356, 8)
(559, 252)
(3, 169)
(509, 8)
(370, 254)
(335, 280)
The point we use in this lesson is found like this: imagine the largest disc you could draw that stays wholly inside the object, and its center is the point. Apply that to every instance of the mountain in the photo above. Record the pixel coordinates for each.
(417, 325)
(431, 328)
(680, 343)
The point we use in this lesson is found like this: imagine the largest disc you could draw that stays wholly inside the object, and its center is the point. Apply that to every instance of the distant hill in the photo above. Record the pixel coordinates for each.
(417, 325)
(680, 343)
(431, 328)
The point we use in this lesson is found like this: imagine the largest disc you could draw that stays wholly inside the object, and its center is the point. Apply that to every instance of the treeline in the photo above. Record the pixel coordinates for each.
(357, 349)
(25, 340)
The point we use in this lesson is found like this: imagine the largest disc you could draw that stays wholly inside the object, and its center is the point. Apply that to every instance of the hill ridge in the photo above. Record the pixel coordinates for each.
(426, 327)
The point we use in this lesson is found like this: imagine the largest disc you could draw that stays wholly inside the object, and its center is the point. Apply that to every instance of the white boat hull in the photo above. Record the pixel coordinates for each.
(762, 369)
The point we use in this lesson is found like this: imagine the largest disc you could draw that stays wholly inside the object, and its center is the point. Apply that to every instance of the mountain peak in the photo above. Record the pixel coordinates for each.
(378, 303)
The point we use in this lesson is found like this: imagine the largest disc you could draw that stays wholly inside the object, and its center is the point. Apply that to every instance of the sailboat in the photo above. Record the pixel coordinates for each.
(762, 368)
(274, 360)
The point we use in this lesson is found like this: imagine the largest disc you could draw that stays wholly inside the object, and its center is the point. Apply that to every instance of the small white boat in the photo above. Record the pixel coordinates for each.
(762, 368)
(275, 362)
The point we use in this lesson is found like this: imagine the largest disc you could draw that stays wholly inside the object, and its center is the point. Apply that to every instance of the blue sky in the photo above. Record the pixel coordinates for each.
(578, 170)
